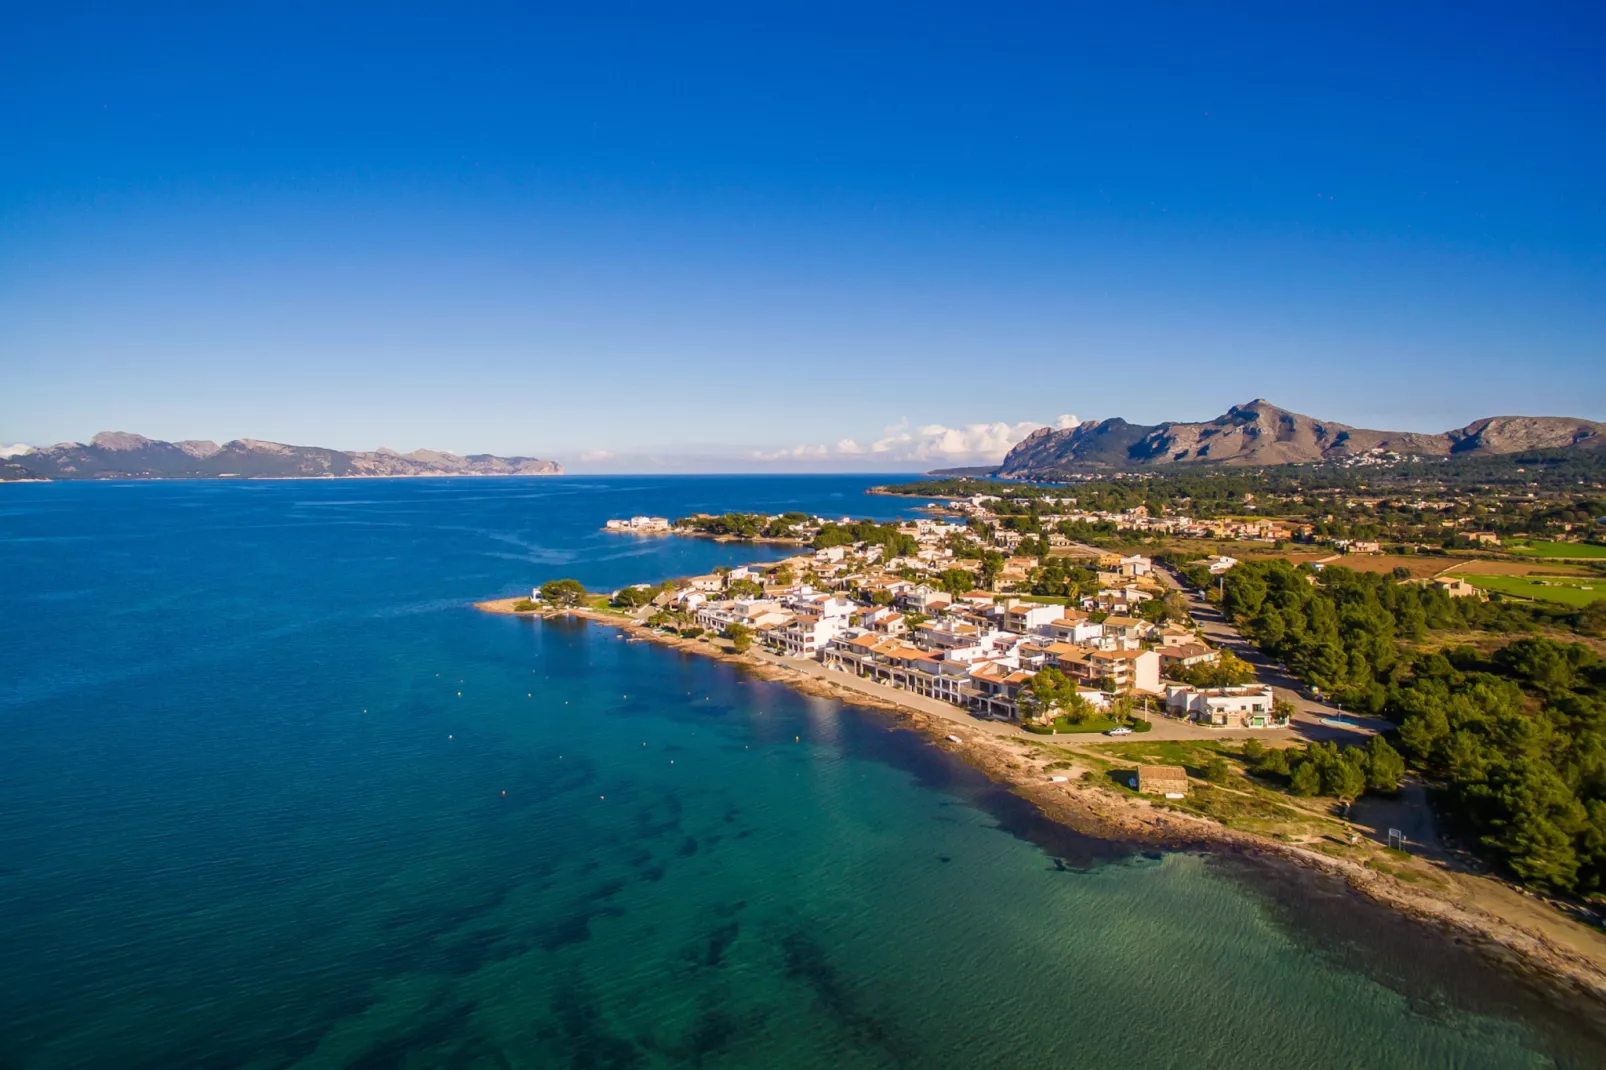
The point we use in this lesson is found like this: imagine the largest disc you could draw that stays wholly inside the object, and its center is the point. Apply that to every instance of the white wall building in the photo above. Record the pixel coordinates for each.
(1251, 706)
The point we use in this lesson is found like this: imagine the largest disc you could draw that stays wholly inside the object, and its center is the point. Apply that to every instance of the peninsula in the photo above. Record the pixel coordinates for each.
(1138, 694)
(121, 455)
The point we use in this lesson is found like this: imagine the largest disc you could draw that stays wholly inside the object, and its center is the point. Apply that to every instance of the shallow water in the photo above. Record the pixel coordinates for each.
(273, 796)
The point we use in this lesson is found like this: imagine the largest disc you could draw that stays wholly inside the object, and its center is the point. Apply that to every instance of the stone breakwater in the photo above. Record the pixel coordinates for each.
(1573, 961)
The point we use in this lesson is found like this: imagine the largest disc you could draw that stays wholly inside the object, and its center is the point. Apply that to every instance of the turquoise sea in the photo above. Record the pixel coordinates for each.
(273, 795)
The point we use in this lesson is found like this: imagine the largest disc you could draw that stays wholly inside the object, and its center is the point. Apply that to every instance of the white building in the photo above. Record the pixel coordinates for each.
(641, 525)
(1026, 617)
(1250, 706)
(805, 635)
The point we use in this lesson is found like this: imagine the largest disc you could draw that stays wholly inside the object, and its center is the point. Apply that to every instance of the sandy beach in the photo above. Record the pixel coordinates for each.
(1519, 929)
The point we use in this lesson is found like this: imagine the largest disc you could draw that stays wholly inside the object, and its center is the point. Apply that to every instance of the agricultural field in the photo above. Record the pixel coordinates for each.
(1293, 557)
(1488, 567)
(1420, 566)
(1578, 550)
(1575, 592)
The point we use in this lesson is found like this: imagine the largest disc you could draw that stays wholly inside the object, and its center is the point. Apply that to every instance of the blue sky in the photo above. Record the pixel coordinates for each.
(635, 236)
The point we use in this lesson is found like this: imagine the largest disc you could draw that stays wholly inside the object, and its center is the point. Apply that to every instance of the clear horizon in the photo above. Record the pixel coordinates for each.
(719, 238)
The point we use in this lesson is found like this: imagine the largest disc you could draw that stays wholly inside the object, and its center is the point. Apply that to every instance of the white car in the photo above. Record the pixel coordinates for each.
(1122, 730)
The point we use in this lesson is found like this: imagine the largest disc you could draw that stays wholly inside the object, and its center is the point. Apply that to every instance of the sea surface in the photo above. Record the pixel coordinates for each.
(273, 795)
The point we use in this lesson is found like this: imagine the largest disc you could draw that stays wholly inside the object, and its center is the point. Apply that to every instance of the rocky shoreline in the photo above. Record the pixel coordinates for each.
(1579, 970)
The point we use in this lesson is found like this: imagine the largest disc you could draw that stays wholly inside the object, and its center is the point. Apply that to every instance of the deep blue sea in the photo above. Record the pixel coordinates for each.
(273, 795)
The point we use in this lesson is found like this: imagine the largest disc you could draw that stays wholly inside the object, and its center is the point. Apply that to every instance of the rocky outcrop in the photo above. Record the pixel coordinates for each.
(1517, 434)
(121, 455)
(1260, 433)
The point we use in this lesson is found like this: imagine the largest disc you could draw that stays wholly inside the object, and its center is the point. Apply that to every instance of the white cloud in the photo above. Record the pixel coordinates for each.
(15, 451)
(796, 453)
(979, 443)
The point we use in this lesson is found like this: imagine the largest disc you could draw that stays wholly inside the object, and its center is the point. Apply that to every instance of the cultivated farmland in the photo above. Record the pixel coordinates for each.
(1566, 591)
(1580, 550)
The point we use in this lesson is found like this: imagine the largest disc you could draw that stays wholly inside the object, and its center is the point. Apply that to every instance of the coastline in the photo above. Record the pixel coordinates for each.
(231, 478)
(1572, 959)
(675, 533)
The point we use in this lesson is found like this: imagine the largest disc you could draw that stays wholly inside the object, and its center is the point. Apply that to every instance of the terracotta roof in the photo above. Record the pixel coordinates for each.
(1163, 778)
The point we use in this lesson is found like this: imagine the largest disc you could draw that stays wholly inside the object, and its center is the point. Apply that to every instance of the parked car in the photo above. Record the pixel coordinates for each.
(1120, 730)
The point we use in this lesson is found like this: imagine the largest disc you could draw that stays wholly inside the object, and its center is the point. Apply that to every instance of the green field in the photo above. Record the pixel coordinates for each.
(1559, 549)
(1093, 724)
(1568, 592)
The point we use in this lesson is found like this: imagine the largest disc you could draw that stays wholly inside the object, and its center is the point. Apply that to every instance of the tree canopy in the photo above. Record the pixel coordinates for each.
(563, 592)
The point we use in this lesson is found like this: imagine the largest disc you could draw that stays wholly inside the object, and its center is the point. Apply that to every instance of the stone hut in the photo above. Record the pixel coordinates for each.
(1168, 780)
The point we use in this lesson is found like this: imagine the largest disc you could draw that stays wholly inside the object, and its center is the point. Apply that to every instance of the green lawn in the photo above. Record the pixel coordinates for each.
(1559, 549)
(1163, 751)
(1576, 593)
(1239, 805)
(1092, 724)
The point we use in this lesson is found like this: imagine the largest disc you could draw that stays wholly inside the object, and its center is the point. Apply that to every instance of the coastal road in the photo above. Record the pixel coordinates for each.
(908, 699)
(1163, 727)
(1308, 712)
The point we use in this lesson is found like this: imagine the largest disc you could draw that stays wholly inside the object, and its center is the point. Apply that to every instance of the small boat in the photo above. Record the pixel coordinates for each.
(955, 739)
(1059, 779)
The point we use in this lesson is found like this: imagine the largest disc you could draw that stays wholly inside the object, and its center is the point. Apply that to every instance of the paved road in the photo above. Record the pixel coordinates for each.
(1306, 723)
(1308, 712)
(962, 718)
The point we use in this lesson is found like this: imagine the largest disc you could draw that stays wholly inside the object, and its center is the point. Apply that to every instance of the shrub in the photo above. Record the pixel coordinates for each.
(1274, 762)
(741, 637)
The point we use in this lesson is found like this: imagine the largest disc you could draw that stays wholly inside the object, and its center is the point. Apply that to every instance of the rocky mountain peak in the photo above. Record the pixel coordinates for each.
(119, 441)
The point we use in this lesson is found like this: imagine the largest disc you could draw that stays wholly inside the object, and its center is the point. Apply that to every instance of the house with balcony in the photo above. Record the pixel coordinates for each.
(1024, 617)
(1074, 626)
(993, 690)
(805, 635)
(1250, 706)
(1186, 655)
(1127, 670)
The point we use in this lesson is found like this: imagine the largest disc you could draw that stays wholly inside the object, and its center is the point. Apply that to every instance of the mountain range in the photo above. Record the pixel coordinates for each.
(120, 455)
(1260, 433)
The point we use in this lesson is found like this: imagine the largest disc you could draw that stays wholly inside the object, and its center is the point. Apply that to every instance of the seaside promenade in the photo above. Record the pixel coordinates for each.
(893, 695)
(1304, 727)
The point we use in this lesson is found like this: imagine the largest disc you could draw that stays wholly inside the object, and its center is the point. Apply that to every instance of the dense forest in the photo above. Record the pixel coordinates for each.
(1519, 741)
(1517, 738)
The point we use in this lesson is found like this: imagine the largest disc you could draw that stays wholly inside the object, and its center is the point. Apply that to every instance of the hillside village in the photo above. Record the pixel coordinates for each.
(925, 607)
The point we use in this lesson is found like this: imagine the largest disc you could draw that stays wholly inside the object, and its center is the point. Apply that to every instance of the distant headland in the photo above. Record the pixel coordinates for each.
(121, 455)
